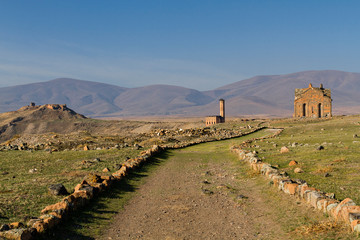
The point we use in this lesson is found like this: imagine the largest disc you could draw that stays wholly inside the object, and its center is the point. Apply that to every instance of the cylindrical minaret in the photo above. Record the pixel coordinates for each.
(222, 109)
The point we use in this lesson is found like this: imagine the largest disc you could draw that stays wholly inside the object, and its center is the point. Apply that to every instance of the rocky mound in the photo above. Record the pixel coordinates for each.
(35, 119)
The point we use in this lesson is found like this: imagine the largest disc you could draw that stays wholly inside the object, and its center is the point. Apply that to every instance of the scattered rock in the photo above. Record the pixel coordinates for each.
(137, 146)
(106, 170)
(33, 170)
(298, 170)
(283, 173)
(241, 197)
(86, 148)
(4, 227)
(206, 182)
(284, 150)
(4, 173)
(320, 148)
(355, 136)
(207, 191)
(93, 178)
(57, 189)
(20, 233)
(293, 163)
(15, 225)
(294, 144)
(97, 160)
(327, 175)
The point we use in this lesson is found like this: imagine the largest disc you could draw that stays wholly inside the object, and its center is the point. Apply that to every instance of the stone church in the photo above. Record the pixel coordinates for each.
(312, 102)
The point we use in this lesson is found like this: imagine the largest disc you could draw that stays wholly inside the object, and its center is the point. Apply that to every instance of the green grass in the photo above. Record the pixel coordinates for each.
(24, 194)
(340, 158)
(93, 219)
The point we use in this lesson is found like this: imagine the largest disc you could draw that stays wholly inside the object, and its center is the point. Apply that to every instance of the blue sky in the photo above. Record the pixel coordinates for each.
(200, 44)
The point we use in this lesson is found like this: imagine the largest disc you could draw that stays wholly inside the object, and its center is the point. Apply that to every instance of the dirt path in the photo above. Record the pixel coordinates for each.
(203, 192)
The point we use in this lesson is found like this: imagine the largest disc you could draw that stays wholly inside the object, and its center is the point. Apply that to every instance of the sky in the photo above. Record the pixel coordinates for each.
(200, 44)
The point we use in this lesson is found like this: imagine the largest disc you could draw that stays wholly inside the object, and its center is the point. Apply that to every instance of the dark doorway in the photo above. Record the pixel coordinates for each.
(319, 110)
(304, 110)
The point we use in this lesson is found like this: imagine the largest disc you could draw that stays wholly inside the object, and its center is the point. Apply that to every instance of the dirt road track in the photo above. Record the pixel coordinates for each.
(202, 192)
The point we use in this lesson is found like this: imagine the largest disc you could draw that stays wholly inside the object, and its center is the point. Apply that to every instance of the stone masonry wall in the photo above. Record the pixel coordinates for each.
(316, 102)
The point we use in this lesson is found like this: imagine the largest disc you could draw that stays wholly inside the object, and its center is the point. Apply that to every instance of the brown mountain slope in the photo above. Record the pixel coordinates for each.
(262, 95)
(279, 89)
(84, 96)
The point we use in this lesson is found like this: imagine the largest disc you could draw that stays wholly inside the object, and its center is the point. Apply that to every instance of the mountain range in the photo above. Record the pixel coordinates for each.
(270, 95)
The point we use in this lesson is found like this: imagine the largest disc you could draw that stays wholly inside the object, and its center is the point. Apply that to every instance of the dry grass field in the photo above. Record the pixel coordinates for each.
(333, 169)
(26, 175)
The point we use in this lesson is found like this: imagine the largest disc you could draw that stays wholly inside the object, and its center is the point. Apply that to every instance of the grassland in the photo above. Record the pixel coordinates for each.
(26, 175)
(23, 193)
(335, 169)
(295, 219)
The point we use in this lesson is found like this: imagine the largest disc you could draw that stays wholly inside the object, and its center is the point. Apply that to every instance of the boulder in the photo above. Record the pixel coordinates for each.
(293, 163)
(345, 203)
(284, 150)
(290, 188)
(16, 225)
(4, 227)
(320, 148)
(298, 170)
(57, 189)
(17, 234)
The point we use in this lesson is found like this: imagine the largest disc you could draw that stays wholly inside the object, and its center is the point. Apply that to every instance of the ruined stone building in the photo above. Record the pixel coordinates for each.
(210, 120)
(312, 102)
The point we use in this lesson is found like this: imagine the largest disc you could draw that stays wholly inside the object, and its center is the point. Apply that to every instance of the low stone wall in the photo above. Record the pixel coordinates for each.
(52, 215)
(346, 211)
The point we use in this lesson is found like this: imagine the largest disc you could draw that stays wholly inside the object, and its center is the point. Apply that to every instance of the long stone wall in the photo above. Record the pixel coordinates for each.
(346, 211)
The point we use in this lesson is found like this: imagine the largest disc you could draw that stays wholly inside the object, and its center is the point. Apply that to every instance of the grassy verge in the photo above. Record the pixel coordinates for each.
(333, 169)
(25, 176)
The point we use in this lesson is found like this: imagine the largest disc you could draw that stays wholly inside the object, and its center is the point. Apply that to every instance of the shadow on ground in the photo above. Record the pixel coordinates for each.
(88, 222)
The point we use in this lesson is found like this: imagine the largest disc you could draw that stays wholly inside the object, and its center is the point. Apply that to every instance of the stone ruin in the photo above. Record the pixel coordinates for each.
(211, 120)
(312, 102)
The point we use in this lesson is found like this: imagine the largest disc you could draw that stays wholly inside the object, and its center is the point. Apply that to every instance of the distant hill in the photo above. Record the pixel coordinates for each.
(85, 97)
(37, 119)
(271, 95)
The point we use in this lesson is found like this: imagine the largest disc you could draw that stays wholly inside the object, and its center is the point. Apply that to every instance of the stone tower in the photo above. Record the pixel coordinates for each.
(222, 109)
(312, 102)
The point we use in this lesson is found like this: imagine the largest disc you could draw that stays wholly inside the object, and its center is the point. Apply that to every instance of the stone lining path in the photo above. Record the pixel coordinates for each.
(204, 192)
